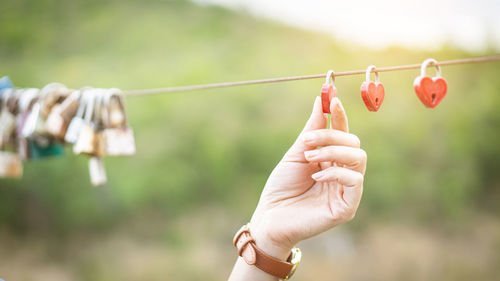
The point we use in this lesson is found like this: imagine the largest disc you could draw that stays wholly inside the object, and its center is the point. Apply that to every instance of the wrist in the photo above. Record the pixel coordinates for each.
(268, 257)
(269, 242)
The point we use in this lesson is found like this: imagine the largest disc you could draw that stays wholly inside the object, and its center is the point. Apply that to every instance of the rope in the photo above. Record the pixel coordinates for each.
(302, 77)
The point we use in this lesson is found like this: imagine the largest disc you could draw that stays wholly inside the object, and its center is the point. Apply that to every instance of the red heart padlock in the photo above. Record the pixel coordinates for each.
(328, 91)
(373, 93)
(430, 91)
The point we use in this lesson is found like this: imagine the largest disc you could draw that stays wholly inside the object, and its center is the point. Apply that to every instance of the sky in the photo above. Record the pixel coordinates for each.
(423, 24)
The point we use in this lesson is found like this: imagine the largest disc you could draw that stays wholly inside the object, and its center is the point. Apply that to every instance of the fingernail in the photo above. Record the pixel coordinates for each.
(308, 137)
(311, 153)
(318, 175)
(334, 103)
(339, 104)
(317, 100)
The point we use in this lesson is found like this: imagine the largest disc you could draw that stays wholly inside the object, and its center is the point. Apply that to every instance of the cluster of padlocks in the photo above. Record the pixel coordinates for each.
(37, 123)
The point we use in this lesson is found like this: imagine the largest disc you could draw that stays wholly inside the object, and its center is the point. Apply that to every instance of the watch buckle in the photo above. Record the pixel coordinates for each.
(295, 261)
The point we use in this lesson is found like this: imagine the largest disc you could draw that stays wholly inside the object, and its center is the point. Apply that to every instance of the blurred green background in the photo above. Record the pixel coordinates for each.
(430, 207)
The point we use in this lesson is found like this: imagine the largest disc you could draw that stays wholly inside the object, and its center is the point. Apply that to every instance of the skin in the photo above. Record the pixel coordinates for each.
(315, 187)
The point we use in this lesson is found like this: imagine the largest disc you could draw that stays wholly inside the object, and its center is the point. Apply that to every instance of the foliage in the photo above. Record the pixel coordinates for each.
(218, 146)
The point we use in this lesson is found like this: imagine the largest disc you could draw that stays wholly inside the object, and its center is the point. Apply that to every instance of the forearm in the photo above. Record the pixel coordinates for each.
(243, 272)
(306, 194)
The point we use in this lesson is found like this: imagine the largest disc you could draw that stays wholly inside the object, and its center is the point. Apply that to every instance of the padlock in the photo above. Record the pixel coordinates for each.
(7, 119)
(5, 83)
(430, 90)
(26, 100)
(33, 121)
(7, 126)
(116, 114)
(97, 171)
(86, 143)
(118, 138)
(13, 101)
(55, 124)
(85, 140)
(39, 150)
(11, 165)
(22, 147)
(99, 123)
(76, 124)
(89, 140)
(48, 97)
(118, 141)
(61, 114)
(52, 94)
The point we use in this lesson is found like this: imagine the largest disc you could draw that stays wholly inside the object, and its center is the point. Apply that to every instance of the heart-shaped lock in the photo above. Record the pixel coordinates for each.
(373, 93)
(328, 91)
(430, 91)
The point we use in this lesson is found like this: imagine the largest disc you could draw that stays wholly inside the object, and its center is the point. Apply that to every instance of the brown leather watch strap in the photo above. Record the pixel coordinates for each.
(255, 256)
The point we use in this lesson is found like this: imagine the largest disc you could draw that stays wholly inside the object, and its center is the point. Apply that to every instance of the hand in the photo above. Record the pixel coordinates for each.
(316, 186)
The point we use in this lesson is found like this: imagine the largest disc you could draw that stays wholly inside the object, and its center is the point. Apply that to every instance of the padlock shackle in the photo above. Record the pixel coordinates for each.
(430, 62)
(89, 106)
(26, 99)
(110, 94)
(330, 77)
(369, 70)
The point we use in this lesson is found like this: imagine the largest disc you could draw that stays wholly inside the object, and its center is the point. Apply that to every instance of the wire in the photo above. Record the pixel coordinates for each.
(302, 77)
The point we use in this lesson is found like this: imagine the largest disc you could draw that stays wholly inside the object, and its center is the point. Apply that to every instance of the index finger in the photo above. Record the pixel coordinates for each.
(338, 116)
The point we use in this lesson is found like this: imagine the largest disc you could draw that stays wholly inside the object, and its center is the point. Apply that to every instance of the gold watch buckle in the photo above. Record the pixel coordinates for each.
(295, 261)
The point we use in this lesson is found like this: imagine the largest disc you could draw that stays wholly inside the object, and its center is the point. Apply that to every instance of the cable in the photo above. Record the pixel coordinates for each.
(302, 77)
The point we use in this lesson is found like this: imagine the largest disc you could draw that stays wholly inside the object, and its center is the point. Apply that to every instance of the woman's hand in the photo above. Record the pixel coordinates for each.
(316, 186)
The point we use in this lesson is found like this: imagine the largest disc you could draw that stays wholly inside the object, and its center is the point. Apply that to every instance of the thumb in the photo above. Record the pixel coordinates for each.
(316, 121)
(338, 117)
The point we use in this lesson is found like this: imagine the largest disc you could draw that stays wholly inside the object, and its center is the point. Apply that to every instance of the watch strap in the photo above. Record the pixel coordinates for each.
(252, 255)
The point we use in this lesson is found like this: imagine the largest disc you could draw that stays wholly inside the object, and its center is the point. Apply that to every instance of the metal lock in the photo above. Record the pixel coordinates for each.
(11, 165)
(117, 140)
(5, 83)
(97, 171)
(52, 94)
(37, 150)
(7, 119)
(61, 114)
(89, 139)
(76, 124)
(49, 96)
(26, 101)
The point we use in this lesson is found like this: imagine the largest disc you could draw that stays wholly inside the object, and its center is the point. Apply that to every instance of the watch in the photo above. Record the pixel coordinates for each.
(248, 250)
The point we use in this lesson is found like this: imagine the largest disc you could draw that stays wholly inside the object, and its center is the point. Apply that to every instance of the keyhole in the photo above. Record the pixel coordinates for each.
(433, 96)
(376, 101)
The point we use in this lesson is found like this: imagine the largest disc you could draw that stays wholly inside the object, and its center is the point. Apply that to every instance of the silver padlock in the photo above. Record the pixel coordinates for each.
(27, 98)
(97, 171)
(32, 121)
(76, 124)
(117, 138)
(61, 115)
(7, 119)
(48, 97)
(26, 101)
(51, 95)
(89, 140)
